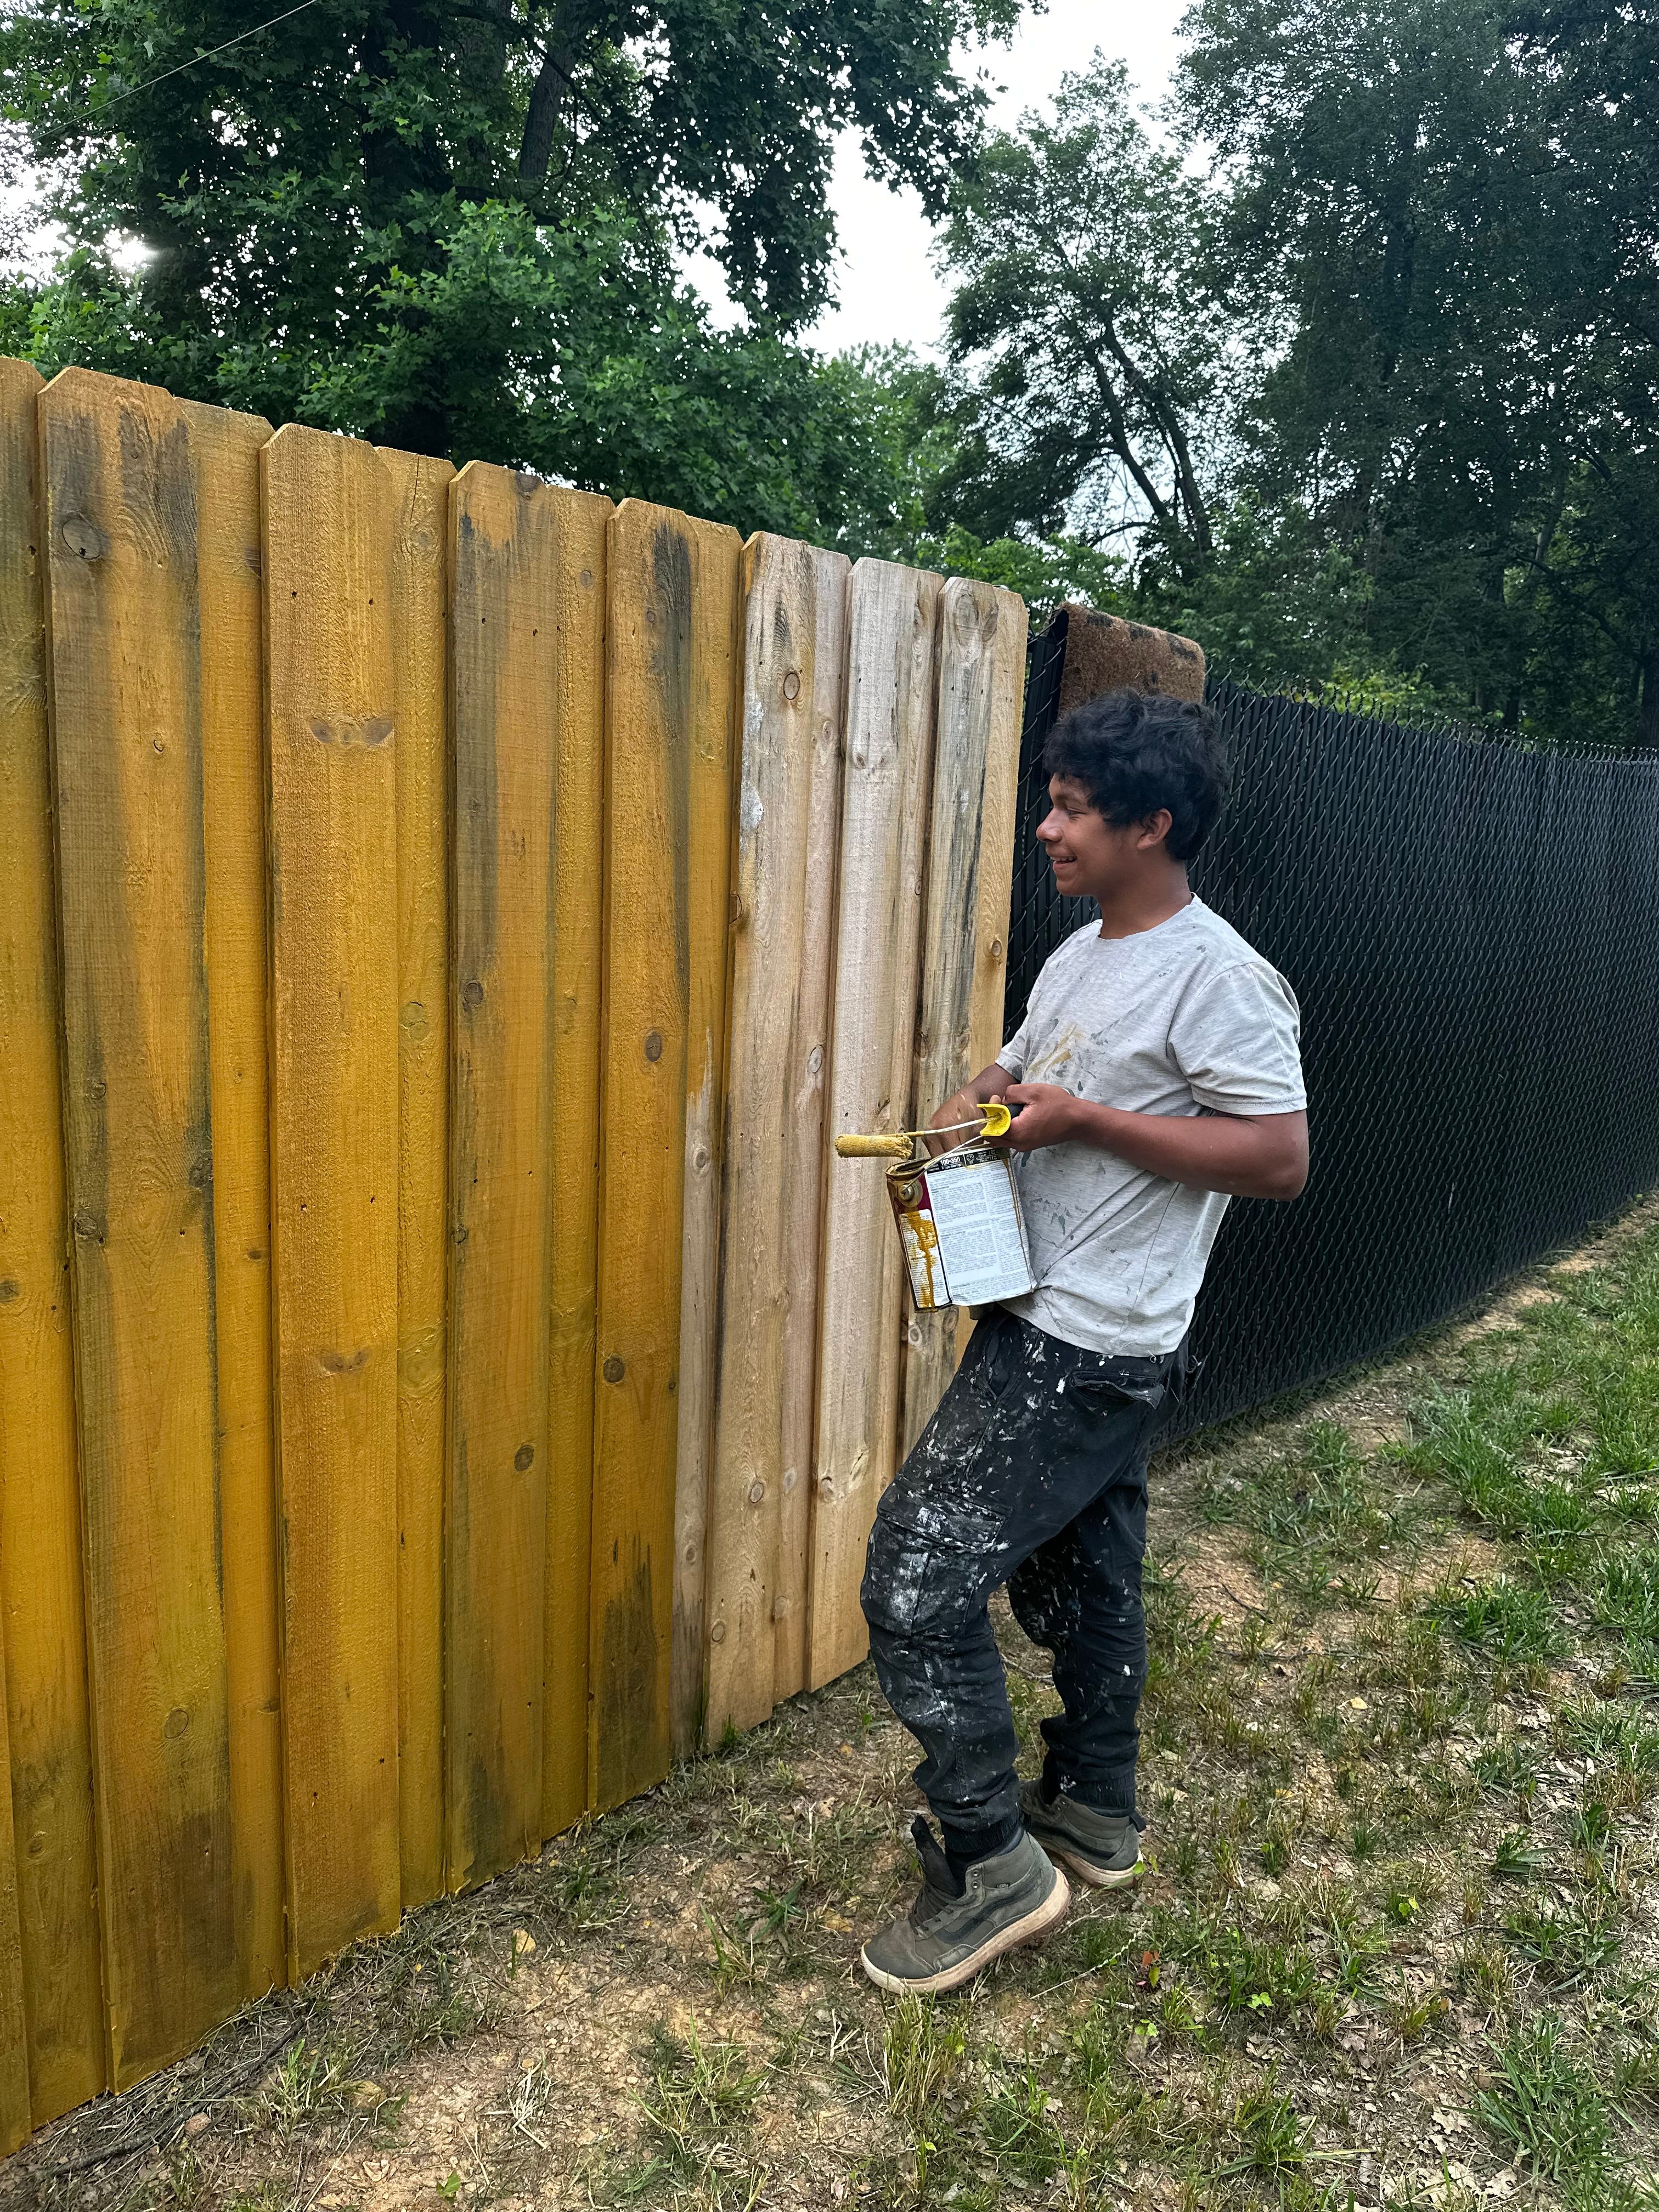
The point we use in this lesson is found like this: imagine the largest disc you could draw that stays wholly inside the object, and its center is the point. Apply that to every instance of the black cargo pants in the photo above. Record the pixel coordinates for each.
(1032, 1472)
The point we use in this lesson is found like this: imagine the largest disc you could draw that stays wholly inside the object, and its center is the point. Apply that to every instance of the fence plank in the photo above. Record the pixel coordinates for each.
(42, 1608)
(125, 671)
(982, 663)
(13, 2033)
(804, 1203)
(889, 726)
(506, 555)
(708, 926)
(224, 449)
(672, 588)
(760, 1269)
(330, 653)
(419, 588)
(578, 611)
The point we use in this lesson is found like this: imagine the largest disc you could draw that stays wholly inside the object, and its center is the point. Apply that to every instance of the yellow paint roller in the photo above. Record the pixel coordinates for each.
(992, 1120)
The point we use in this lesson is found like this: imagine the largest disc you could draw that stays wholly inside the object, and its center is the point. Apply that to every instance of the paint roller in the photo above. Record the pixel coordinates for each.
(992, 1120)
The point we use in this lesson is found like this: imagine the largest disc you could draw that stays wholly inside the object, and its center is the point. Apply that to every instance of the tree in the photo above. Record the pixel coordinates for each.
(1092, 367)
(449, 224)
(1441, 209)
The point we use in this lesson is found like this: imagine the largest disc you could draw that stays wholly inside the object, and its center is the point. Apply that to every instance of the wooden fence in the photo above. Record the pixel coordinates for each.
(443, 919)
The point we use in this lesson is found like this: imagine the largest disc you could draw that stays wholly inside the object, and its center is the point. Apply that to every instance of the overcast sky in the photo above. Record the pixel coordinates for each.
(888, 291)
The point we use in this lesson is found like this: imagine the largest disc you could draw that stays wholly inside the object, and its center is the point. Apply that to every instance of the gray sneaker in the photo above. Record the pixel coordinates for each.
(948, 1934)
(1103, 1849)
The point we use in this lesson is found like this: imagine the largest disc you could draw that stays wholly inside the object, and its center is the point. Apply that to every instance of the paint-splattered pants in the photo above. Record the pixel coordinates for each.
(1032, 1473)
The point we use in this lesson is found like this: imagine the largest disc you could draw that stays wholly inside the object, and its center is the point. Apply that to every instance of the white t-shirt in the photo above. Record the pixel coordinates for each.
(1184, 1018)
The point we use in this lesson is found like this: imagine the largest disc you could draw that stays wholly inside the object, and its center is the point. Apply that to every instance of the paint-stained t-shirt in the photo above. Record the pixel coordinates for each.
(1184, 1018)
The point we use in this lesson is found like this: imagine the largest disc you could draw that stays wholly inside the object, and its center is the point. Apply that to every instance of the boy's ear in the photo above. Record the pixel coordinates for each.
(1155, 829)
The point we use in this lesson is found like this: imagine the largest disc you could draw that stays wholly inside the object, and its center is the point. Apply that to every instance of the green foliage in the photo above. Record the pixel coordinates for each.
(452, 229)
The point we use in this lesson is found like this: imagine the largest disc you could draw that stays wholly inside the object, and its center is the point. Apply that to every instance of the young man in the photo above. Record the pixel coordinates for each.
(1156, 1074)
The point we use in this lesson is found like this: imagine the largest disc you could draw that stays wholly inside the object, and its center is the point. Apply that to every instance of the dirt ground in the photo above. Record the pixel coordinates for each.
(1397, 1945)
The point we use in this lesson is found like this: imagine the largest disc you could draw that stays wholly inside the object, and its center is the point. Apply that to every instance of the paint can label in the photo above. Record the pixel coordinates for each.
(963, 1232)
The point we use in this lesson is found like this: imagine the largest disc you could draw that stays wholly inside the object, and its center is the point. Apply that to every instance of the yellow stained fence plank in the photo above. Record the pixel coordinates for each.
(862, 1298)
(804, 1194)
(672, 592)
(42, 1608)
(981, 666)
(331, 654)
(520, 549)
(224, 450)
(762, 1276)
(13, 2036)
(123, 631)
(419, 489)
(578, 610)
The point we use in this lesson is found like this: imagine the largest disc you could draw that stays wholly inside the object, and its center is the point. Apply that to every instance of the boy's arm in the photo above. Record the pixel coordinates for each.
(990, 1083)
(1255, 1156)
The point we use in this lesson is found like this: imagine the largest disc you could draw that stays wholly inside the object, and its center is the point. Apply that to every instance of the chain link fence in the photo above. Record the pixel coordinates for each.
(1473, 932)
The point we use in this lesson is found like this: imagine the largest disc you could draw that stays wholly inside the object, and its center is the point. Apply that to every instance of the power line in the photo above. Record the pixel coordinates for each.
(133, 90)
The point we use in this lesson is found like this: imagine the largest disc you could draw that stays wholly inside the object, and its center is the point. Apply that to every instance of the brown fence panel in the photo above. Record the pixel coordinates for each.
(124, 633)
(970, 853)
(331, 657)
(673, 589)
(418, 588)
(578, 610)
(437, 1379)
(884, 813)
(42, 1606)
(766, 1277)
(224, 450)
(519, 549)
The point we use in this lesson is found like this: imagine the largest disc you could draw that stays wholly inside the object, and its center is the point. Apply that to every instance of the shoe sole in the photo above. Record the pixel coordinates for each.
(1032, 1928)
(1097, 1877)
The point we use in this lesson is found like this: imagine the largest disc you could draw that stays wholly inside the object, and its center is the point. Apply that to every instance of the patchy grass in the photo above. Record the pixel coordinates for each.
(1397, 1946)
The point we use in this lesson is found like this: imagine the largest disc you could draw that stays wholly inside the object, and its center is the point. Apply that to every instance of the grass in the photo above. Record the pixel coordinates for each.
(1395, 1948)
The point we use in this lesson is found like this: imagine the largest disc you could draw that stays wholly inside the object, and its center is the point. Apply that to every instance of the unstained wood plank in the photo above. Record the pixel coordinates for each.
(124, 632)
(763, 1279)
(672, 591)
(331, 652)
(418, 583)
(42, 1606)
(514, 563)
(982, 665)
(862, 1317)
(224, 450)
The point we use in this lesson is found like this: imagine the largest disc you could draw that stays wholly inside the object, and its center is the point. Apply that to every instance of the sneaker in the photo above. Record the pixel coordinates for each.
(954, 1929)
(1103, 1849)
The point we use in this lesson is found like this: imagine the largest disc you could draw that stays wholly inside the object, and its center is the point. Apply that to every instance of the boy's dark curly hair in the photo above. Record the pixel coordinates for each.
(1133, 754)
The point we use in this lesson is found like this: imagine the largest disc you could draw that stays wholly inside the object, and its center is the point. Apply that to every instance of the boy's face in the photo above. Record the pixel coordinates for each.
(1091, 856)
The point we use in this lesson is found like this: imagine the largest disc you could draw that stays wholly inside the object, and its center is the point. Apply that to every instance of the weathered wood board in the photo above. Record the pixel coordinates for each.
(970, 844)
(331, 653)
(764, 1280)
(42, 1606)
(672, 587)
(124, 627)
(418, 584)
(577, 611)
(518, 549)
(884, 815)
(224, 449)
(14, 2035)
(808, 1164)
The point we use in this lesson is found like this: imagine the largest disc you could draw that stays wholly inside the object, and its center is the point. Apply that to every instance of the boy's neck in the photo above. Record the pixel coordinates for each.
(1134, 906)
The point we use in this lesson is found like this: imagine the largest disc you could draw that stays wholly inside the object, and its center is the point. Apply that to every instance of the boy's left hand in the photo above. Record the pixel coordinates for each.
(1047, 1115)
